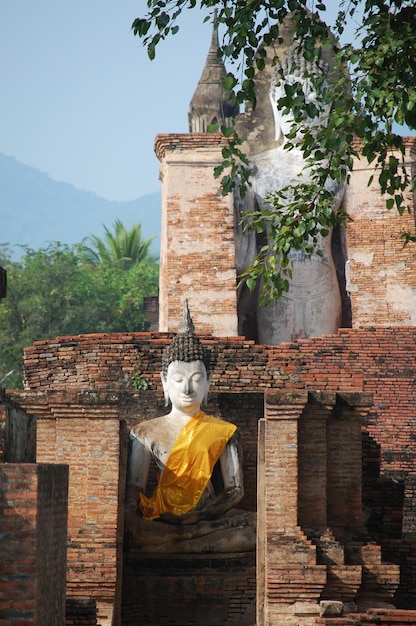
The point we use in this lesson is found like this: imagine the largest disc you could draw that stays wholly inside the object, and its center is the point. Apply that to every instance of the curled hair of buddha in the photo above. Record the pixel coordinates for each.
(186, 346)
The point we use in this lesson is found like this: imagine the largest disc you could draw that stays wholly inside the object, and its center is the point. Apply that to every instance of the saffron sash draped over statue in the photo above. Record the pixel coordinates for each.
(189, 466)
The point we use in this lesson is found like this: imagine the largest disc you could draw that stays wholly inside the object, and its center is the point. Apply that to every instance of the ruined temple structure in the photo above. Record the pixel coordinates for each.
(325, 403)
(364, 277)
(327, 429)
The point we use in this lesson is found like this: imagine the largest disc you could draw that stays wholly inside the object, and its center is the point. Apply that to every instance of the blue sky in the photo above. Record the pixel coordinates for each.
(80, 99)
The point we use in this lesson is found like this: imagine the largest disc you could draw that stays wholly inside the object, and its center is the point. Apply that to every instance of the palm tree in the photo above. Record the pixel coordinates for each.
(122, 247)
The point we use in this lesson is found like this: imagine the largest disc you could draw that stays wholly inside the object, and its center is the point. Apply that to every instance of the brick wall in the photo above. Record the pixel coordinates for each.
(382, 273)
(198, 238)
(203, 590)
(80, 612)
(310, 530)
(378, 361)
(33, 520)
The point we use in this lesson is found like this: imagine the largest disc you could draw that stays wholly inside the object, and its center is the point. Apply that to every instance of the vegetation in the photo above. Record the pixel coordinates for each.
(55, 291)
(381, 94)
(122, 248)
(4, 254)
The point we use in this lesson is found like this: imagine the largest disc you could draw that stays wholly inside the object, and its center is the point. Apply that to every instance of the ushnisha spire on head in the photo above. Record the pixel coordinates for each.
(186, 346)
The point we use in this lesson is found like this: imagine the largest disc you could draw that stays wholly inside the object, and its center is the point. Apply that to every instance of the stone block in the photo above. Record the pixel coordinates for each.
(330, 608)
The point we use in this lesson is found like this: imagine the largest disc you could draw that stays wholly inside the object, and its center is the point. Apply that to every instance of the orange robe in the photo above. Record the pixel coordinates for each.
(189, 466)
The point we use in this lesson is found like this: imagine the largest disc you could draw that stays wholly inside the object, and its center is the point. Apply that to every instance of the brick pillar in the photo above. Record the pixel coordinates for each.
(345, 462)
(330, 463)
(33, 525)
(290, 581)
(197, 240)
(84, 430)
(330, 502)
(313, 476)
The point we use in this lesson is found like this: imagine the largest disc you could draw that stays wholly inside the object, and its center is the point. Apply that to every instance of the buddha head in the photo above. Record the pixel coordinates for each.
(295, 69)
(186, 368)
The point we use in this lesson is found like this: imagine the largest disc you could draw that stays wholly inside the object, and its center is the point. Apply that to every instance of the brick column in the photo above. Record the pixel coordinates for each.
(345, 462)
(33, 527)
(197, 258)
(313, 475)
(84, 430)
(290, 582)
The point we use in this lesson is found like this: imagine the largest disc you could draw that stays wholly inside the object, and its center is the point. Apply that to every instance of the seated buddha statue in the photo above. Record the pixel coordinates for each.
(186, 513)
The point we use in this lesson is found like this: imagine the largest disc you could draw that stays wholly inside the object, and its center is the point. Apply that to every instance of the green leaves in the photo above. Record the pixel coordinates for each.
(141, 27)
(229, 82)
(234, 169)
(54, 291)
(121, 248)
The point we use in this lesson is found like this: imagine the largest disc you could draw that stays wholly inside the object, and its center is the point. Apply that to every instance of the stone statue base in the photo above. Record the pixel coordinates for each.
(232, 533)
(188, 589)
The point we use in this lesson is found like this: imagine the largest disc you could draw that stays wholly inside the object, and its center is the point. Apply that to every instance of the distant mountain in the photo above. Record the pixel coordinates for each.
(35, 210)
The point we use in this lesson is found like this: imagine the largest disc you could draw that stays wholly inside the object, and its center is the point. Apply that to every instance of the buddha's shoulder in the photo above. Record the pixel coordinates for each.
(146, 425)
(156, 428)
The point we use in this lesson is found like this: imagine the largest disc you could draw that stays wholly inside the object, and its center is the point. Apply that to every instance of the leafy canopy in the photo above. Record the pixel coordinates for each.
(380, 96)
(53, 292)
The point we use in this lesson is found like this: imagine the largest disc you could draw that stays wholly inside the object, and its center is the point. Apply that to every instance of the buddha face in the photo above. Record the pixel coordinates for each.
(186, 384)
(283, 123)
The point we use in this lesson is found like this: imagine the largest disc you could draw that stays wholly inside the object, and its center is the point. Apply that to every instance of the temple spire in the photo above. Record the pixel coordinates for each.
(210, 103)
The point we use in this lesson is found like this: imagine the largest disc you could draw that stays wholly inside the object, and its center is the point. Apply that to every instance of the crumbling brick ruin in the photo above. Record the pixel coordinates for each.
(327, 424)
(80, 389)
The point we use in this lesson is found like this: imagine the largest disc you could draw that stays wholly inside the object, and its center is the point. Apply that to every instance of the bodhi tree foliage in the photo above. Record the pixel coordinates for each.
(381, 94)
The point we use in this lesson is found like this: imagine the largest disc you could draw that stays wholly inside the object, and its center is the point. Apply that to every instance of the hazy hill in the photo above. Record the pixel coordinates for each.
(35, 210)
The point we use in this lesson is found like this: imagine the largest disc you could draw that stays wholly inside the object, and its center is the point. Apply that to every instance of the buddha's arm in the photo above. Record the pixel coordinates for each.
(232, 474)
(137, 471)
